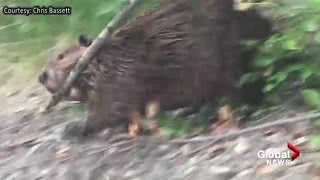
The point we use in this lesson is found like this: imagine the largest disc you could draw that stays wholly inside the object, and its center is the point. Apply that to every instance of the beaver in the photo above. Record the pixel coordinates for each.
(161, 56)
(58, 68)
(250, 25)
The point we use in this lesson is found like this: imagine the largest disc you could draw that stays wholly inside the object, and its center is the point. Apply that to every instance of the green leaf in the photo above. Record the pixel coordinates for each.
(311, 97)
(291, 44)
(278, 77)
(281, 76)
(296, 67)
(264, 61)
(306, 74)
(249, 43)
(269, 87)
(311, 25)
(317, 37)
(315, 141)
(167, 132)
(316, 123)
(247, 78)
(106, 10)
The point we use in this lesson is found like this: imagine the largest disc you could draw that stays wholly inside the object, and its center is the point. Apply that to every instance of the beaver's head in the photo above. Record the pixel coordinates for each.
(58, 68)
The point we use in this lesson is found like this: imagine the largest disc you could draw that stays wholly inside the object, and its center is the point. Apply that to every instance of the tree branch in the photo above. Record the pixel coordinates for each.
(85, 59)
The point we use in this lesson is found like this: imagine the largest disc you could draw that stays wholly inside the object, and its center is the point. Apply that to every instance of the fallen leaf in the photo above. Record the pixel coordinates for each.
(216, 150)
(186, 149)
(226, 127)
(12, 93)
(26, 140)
(302, 141)
(269, 132)
(291, 114)
(243, 146)
(268, 170)
(62, 152)
(224, 172)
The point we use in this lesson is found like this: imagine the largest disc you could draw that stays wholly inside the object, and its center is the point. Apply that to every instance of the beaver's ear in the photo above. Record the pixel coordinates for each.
(84, 41)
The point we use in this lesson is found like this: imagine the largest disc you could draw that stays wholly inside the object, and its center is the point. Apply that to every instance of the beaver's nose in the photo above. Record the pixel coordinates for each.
(43, 77)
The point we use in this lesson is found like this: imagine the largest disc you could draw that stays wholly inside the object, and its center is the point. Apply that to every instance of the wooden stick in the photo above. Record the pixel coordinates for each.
(85, 59)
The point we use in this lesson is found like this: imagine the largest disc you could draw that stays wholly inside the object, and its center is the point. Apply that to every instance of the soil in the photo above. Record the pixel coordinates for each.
(33, 146)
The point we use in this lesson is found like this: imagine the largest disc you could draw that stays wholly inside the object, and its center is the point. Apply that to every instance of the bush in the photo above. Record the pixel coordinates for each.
(39, 34)
(292, 55)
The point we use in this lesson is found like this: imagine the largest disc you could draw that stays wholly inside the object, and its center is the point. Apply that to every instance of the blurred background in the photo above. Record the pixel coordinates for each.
(26, 42)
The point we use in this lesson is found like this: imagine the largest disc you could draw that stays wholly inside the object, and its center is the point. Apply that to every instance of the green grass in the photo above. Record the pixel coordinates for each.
(27, 42)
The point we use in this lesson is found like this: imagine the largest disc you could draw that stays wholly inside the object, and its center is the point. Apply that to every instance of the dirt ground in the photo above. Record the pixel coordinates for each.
(33, 146)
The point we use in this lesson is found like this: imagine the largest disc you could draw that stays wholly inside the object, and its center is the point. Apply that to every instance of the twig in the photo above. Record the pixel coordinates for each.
(17, 43)
(9, 25)
(310, 151)
(271, 114)
(47, 50)
(128, 148)
(227, 136)
(111, 146)
(85, 59)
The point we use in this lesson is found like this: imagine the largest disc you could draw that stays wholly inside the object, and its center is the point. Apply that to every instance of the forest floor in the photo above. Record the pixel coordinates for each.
(32, 146)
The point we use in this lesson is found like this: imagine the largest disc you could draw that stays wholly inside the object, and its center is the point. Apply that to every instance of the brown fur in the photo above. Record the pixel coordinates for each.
(57, 70)
(161, 56)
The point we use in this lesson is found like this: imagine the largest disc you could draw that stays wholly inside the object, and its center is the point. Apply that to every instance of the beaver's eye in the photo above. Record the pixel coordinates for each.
(60, 56)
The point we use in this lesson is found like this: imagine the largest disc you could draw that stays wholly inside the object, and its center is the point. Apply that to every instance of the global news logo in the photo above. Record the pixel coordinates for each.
(274, 157)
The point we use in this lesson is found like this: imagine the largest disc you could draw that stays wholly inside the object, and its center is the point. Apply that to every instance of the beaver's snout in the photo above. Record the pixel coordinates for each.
(43, 77)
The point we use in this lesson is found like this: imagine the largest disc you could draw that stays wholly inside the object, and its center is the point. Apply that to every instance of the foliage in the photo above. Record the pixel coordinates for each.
(171, 126)
(35, 36)
(315, 138)
(312, 97)
(292, 56)
(315, 141)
